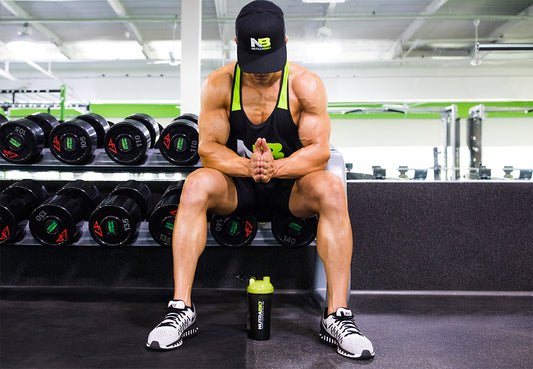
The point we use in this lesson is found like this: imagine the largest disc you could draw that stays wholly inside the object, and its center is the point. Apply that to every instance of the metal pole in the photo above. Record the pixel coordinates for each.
(190, 69)
(504, 47)
(445, 139)
(456, 141)
(475, 122)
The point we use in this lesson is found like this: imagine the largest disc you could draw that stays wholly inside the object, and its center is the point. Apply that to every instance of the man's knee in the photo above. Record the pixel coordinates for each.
(209, 189)
(331, 191)
(197, 186)
(323, 183)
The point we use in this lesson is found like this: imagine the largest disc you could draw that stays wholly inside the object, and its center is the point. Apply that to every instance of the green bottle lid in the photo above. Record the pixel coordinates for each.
(259, 286)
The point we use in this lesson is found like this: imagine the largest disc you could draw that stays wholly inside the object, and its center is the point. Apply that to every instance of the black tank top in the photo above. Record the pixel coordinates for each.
(279, 129)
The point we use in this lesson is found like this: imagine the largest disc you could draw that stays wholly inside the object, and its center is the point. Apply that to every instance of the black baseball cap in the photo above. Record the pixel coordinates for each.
(260, 31)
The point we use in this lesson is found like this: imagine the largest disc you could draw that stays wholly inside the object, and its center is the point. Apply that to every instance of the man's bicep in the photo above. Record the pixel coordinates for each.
(314, 129)
(213, 126)
(314, 125)
(213, 122)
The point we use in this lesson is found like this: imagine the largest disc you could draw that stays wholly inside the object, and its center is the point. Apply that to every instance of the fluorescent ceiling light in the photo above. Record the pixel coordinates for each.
(341, 50)
(323, 51)
(36, 51)
(162, 49)
(107, 50)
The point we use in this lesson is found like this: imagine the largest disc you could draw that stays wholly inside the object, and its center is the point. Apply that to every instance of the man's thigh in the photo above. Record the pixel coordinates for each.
(311, 191)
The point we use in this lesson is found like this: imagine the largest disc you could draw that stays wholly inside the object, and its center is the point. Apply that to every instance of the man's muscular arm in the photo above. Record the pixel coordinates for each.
(214, 127)
(314, 128)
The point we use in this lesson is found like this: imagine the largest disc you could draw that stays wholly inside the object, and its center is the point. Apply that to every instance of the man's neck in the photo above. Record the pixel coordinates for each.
(262, 79)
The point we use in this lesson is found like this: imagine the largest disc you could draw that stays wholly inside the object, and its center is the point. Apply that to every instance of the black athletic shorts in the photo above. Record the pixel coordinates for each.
(263, 199)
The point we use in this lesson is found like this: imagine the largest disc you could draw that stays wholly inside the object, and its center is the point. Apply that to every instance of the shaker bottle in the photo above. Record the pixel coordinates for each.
(260, 304)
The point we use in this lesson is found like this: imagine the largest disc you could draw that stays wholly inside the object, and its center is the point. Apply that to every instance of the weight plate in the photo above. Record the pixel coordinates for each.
(16, 204)
(85, 193)
(3, 119)
(115, 221)
(190, 116)
(21, 141)
(233, 230)
(29, 191)
(161, 221)
(46, 121)
(179, 142)
(57, 221)
(13, 217)
(73, 142)
(174, 188)
(100, 125)
(127, 142)
(137, 191)
(150, 124)
(290, 231)
(158, 142)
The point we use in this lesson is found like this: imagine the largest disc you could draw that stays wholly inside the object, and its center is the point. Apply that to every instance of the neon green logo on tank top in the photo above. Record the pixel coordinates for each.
(276, 150)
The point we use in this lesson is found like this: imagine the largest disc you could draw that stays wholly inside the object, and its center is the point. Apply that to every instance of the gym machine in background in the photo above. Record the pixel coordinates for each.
(446, 157)
(449, 162)
(450, 142)
(476, 116)
(46, 99)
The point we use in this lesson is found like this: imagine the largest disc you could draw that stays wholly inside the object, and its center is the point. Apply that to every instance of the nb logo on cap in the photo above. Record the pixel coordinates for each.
(260, 43)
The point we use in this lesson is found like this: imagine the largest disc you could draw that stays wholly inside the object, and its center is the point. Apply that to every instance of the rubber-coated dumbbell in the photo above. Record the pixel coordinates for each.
(116, 220)
(23, 140)
(16, 204)
(179, 140)
(161, 220)
(234, 230)
(74, 142)
(58, 220)
(290, 231)
(128, 141)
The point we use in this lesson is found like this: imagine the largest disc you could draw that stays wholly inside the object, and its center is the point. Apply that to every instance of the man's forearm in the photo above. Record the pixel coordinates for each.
(216, 156)
(306, 160)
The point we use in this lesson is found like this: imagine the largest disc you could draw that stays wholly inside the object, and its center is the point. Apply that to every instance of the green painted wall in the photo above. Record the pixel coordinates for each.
(173, 110)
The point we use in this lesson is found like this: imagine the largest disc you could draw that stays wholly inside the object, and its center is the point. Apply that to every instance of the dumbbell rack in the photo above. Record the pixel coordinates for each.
(156, 171)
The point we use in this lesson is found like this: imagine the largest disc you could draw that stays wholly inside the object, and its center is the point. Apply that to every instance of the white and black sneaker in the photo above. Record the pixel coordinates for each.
(339, 329)
(179, 323)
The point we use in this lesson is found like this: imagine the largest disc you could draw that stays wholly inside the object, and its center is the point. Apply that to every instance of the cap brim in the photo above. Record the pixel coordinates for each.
(270, 63)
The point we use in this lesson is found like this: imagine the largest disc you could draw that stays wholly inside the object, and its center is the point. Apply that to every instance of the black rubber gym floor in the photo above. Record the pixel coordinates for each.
(107, 328)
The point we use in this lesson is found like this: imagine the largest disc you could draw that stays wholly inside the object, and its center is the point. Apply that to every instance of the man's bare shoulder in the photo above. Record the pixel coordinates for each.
(303, 81)
(221, 77)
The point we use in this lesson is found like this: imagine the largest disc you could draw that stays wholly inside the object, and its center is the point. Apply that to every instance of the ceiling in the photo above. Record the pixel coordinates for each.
(143, 37)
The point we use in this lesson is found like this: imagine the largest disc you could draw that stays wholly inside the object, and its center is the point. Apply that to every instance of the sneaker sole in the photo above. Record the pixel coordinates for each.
(189, 332)
(329, 340)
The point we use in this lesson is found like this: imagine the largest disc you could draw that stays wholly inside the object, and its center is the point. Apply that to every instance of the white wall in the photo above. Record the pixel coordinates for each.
(429, 82)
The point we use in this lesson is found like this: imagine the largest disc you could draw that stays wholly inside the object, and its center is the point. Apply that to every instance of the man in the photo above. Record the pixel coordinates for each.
(264, 144)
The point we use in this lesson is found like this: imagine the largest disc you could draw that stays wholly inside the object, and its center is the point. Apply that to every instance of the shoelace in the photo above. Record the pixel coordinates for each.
(176, 320)
(344, 326)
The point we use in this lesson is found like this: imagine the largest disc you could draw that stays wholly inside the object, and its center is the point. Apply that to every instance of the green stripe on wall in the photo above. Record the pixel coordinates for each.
(462, 109)
(123, 110)
(109, 111)
(173, 110)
